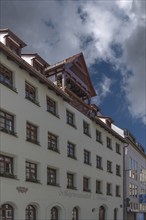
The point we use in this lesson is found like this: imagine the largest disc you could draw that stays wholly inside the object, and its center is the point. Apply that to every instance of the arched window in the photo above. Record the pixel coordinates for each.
(101, 213)
(54, 213)
(75, 213)
(30, 213)
(7, 212)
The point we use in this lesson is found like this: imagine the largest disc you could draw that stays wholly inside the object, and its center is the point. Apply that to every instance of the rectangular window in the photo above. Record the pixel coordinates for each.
(86, 129)
(69, 118)
(52, 142)
(109, 189)
(87, 157)
(98, 136)
(109, 143)
(51, 176)
(118, 170)
(6, 166)
(117, 191)
(31, 133)
(99, 162)
(118, 149)
(13, 46)
(70, 181)
(71, 150)
(109, 166)
(6, 122)
(86, 184)
(51, 106)
(98, 186)
(31, 172)
(6, 76)
(30, 92)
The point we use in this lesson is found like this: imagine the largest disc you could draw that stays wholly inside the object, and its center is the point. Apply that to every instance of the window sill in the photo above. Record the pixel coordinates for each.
(8, 132)
(72, 125)
(72, 157)
(73, 188)
(53, 113)
(53, 184)
(118, 175)
(87, 134)
(33, 101)
(87, 190)
(89, 164)
(33, 181)
(110, 172)
(54, 149)
(100, 168)
(8, 175)
(110, 148)
(10, 87)
(33, 141)
(109, 194)
(99, 141)
(99, 192)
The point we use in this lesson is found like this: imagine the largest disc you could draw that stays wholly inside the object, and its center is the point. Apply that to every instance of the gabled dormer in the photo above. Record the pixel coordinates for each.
(72, 76)
(9, 39)
(36, 61)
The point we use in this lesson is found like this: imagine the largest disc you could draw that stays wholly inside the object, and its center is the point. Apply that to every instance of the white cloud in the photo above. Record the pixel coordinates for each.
(59, 29)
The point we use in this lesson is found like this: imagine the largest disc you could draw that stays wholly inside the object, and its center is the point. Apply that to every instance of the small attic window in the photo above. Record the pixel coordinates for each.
(38, 66)
(108, 122)
(13, 46)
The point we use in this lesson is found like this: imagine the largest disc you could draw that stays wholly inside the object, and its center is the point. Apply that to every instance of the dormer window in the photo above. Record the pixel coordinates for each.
(13, 46)
(38, 66)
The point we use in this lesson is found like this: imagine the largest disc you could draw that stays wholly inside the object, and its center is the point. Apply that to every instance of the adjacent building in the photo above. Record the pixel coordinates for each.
(134, 177)
(58, 159)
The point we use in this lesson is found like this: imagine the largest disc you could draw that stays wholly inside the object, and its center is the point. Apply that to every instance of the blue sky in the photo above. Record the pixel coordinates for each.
(111, 35)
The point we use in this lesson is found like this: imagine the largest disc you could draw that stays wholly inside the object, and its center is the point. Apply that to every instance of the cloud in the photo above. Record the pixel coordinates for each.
(112, 31)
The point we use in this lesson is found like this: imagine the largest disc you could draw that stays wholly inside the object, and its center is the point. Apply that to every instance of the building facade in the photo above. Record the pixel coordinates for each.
(134, 177)
(58, 160)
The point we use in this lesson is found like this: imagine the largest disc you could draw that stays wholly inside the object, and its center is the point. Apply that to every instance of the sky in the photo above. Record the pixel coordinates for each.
(112, 36)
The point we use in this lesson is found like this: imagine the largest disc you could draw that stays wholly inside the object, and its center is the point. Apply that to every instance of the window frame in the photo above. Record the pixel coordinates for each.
(98, 186)
(6, 77)
(5, 208)
(31, 210)
(71, 150)
(53, 142)
(99, 162)
(86, 182)
(118, 170)
(51, 106)
(7, 122)
(109, 166)
(31, 169)
(52, 176)
(118, 148)
(98, 136)
(86, 128)
(70, 118)
(109, 189)
(109, 143)
(32, 133)
(70, 180)
(117, 191)
(7, 166)
(87, 157)
(31, 93)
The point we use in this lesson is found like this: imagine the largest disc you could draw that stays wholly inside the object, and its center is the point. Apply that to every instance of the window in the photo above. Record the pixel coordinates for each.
(69, 118)
(133, 190)
(70, 181)
(6, 76)
(38, 66)
(75, 214)
(31, 133)
(98, 186)
(54, 213)
(86, 184)
(30, 92)
(98, 136)
(52, 142)
(51, 176)
(71, 150)
(6, 166)
(86, 129)
(31, 172)
(99, 162)
(117, 191)
(7, 212)
(109, 166)
(118, 149)
(6, 122)
(109, 189)
(30, 213)
(118, 170)
(87, 157)
(13, 46)
(51, 106)
(109, 142)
